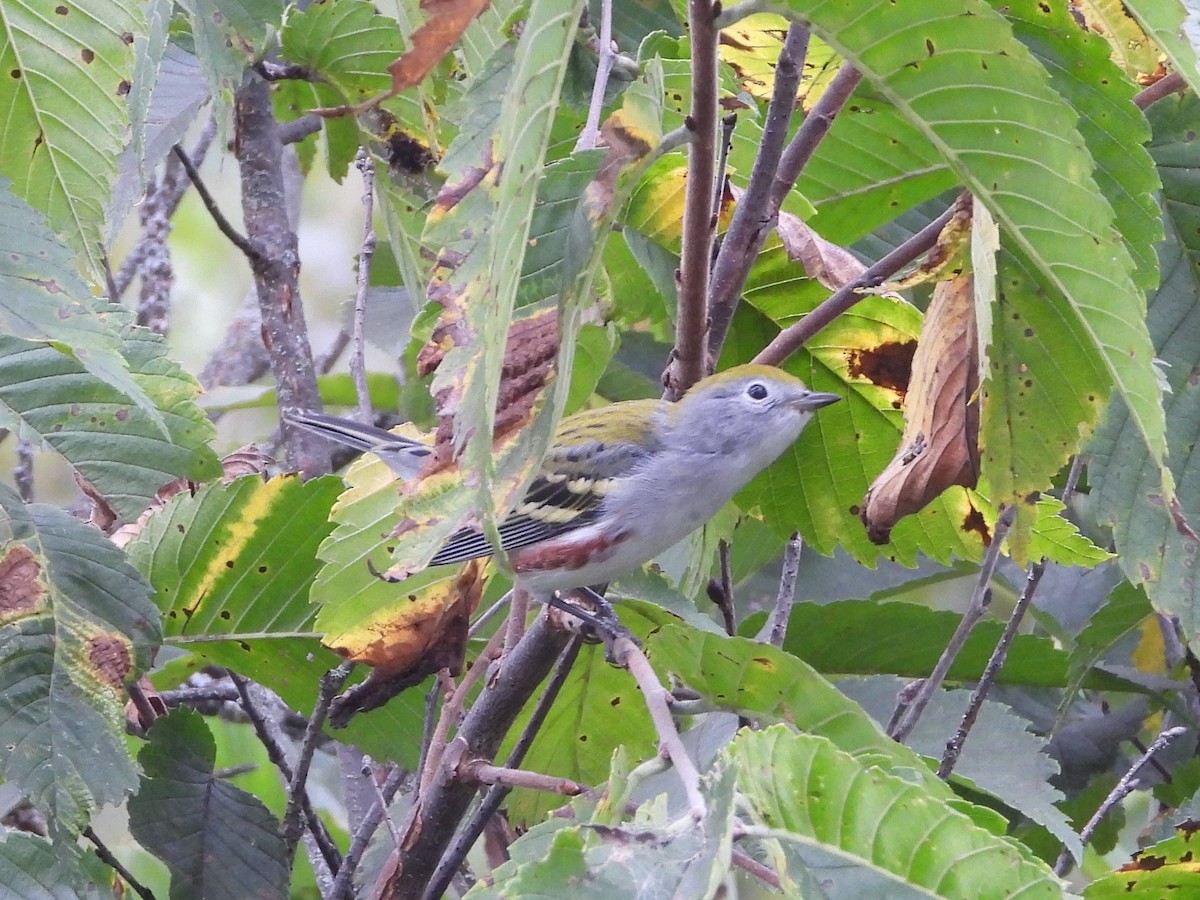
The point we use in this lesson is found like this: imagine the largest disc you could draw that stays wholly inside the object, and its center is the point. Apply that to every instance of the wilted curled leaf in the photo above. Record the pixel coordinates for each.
(940, 444)
(833, 266)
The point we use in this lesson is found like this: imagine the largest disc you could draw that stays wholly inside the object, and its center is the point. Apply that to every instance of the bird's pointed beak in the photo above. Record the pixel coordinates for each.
(815, 400)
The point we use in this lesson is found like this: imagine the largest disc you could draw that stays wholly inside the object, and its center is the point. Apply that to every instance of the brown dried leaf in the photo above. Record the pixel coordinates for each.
(939, 447)
(833, 266)
(447, 21)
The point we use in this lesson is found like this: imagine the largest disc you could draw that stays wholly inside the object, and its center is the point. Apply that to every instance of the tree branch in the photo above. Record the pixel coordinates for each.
(435, 816)
(754, 217)
(276, 268)
(691, 322)
(775, 628)
(980, 598)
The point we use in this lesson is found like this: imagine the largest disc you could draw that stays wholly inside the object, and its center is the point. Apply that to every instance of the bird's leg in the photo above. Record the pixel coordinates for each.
(602, 620)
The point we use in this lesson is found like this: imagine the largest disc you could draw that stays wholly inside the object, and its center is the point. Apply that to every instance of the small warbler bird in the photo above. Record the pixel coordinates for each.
(625, 482)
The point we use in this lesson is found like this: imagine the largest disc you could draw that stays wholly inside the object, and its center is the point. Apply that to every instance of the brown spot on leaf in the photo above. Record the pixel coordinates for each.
(109, 657)
(123, 87)
(974, 521)
(21, 589)
(87, 54)
(61, 10)
(888, 365)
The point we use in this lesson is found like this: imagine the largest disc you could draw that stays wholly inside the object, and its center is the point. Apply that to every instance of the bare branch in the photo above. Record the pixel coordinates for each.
(107, 857)
(753, 217)
(342, 884)
(604, 63)
(238, 240)
(436, 815)
(980, 598)
(1168, 84)
(1000, 653)
(469, 833)
(331, 683)
(1123, 787)
(276, 268)
(690, 361)
(358, 368)
(629, 656)
(329, 854)
(775, 628)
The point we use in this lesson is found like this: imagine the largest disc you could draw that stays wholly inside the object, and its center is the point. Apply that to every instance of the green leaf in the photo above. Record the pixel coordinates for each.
(228, 36)
(1122, 614)
(866, 637)
(1126, 492)
(67, 70)
(804, 790)
(350, 45)
(114, 444)
(218, 841)
(1058, 539)
(232, 566)
(940, 74)
(1001, 757)
(763, 682)
(33, 868)
(43, 299)
(1078, 62)
(75, 627)
(1167, 869)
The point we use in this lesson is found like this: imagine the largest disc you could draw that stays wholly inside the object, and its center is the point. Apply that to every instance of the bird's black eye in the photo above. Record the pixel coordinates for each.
(757, 391)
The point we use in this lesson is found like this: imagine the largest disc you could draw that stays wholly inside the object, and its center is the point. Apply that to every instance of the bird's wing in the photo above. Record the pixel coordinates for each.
(576, 475)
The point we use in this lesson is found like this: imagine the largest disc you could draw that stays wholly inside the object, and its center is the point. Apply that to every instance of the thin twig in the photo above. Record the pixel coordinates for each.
(721, 591)
(358, 367)
(753, 217)
(278, 758)
(482, 772)
(165, 200)
(342, 884)
(990, 672)
(1127, 783)
(453, 707)
(517, 616)
(749, 864)
(482, 618)
(1000, 652)
(628, 655)
(106, 856)
(728, 123)
(774, 630)
(793, 337)
(1168, 84)
(219, 692)
(457, 851)
(980, 598)
(690, 359)
(331, 683)
(249, 250)
(604, 63)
